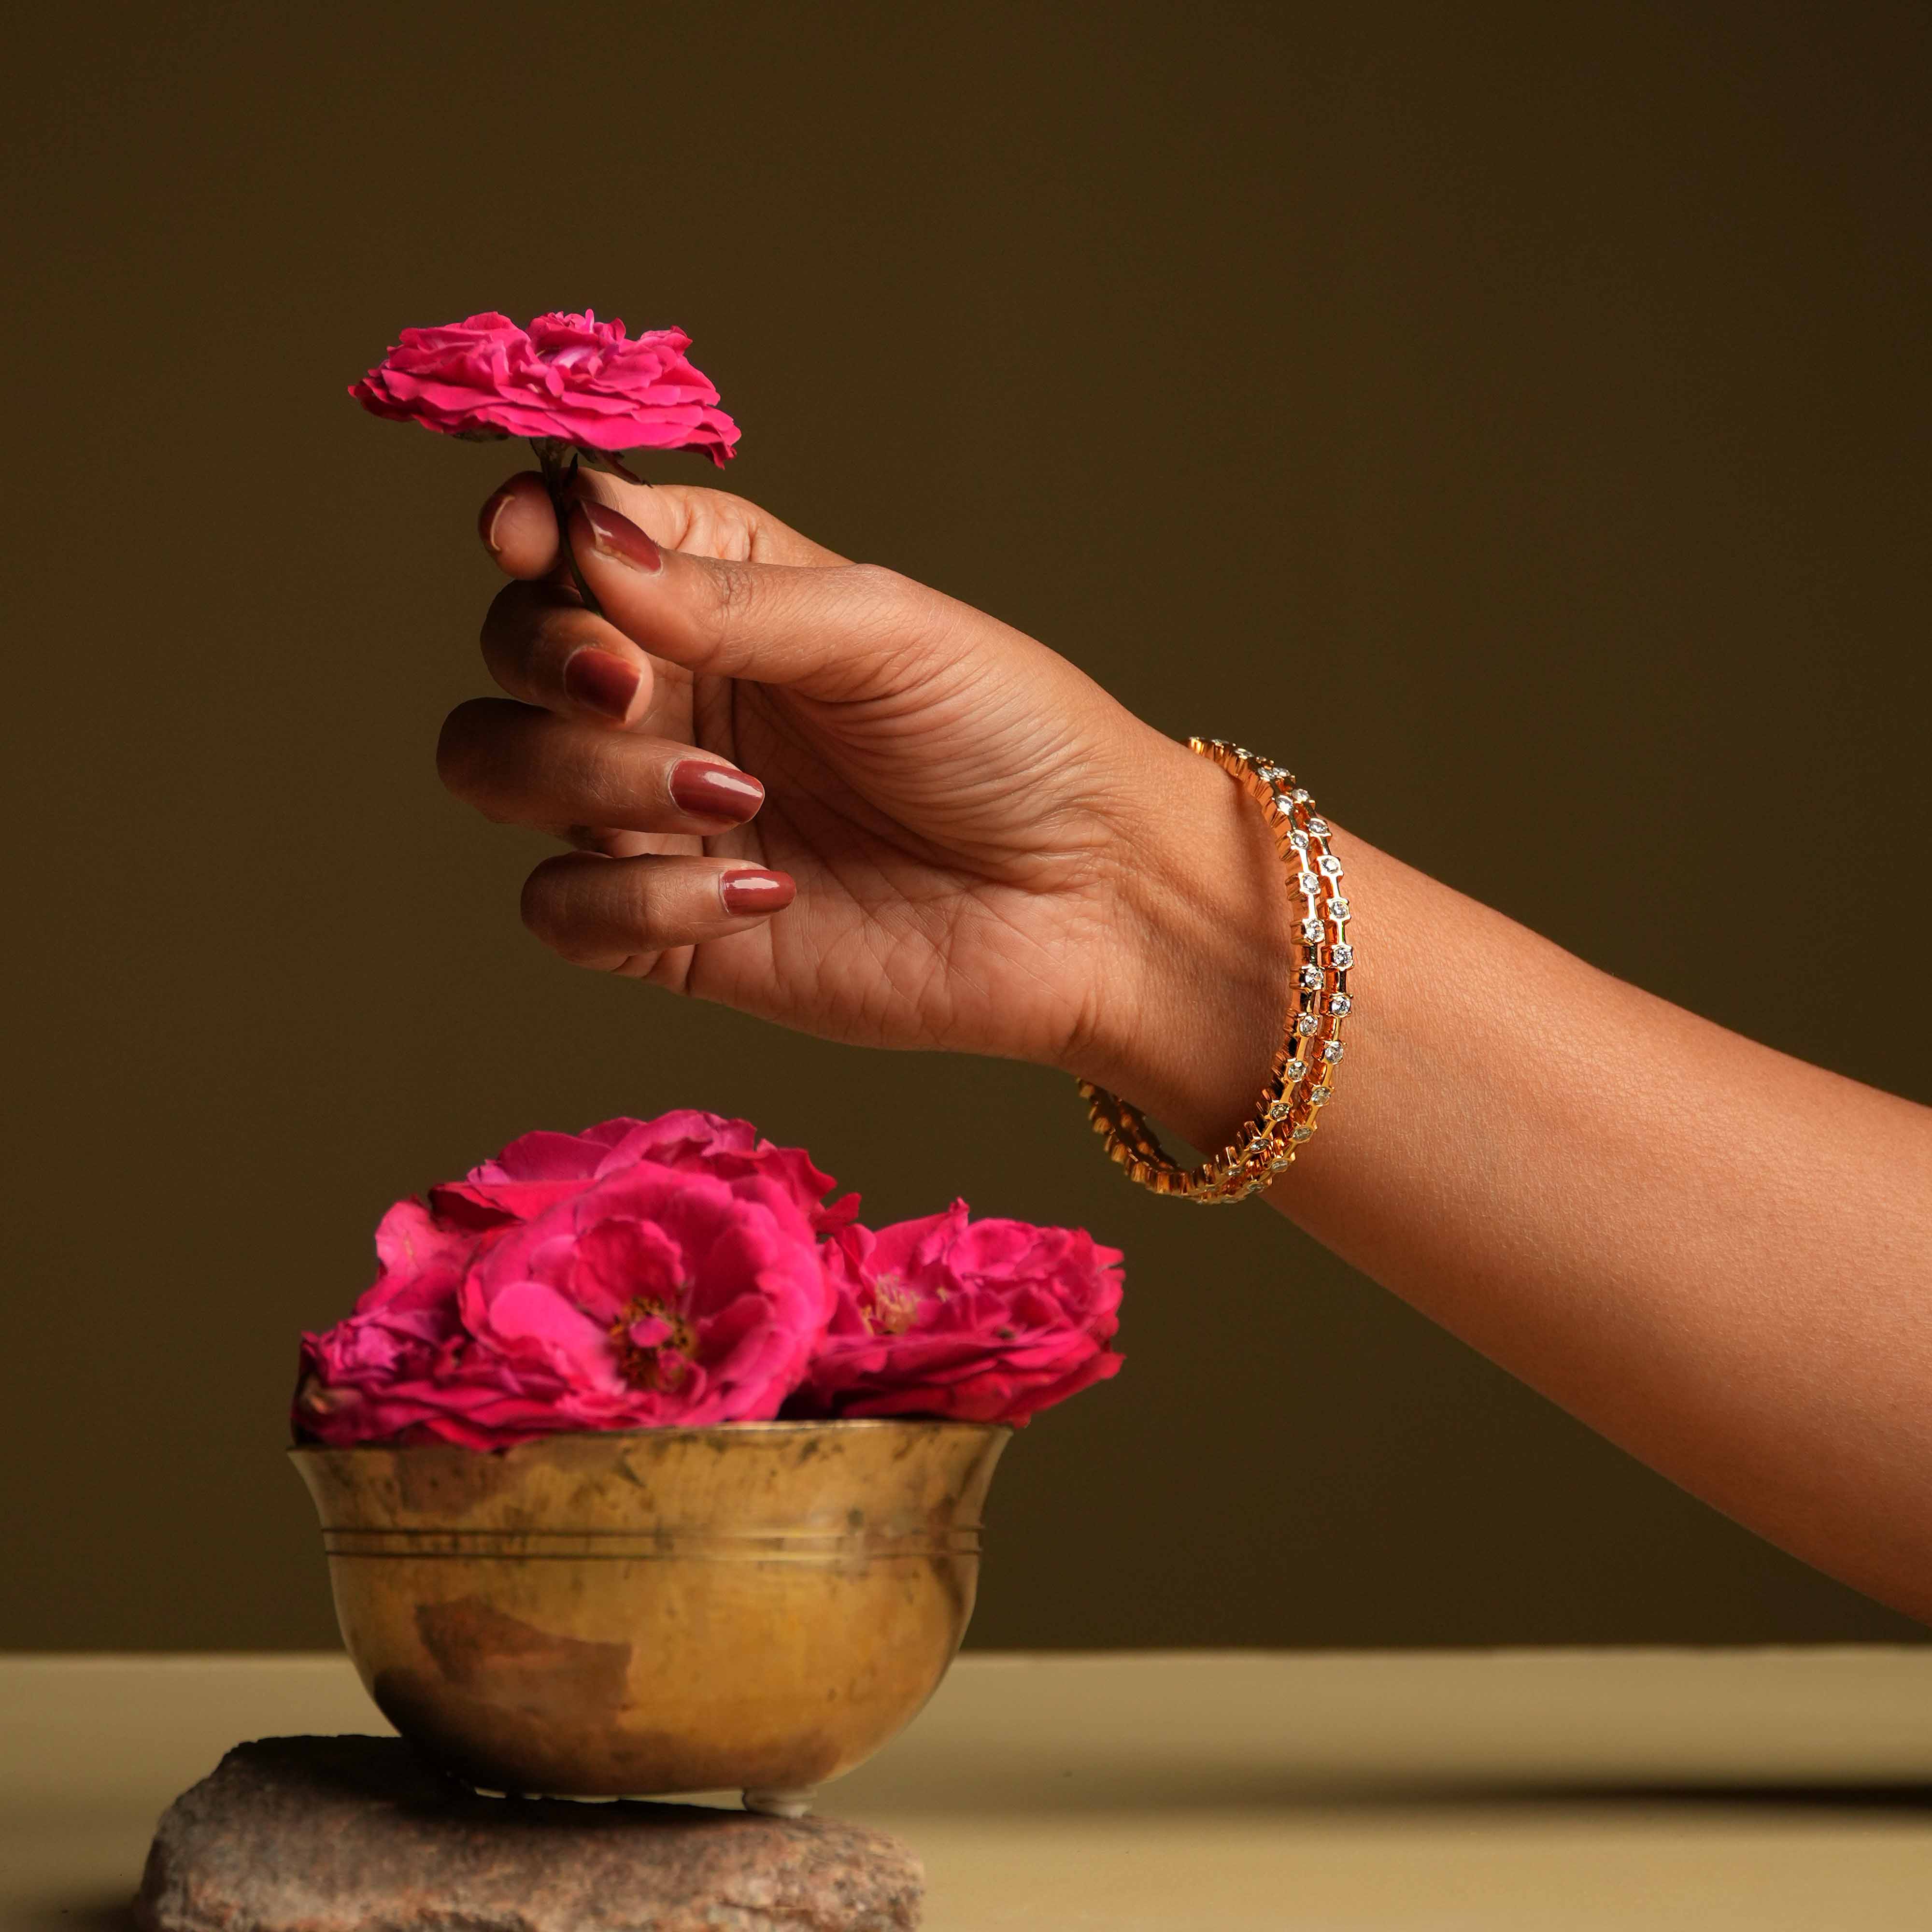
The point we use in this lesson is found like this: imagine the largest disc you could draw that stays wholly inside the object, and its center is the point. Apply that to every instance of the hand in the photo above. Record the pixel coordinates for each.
(988, 853)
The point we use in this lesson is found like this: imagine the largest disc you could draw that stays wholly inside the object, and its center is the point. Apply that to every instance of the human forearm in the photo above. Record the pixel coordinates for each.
(1719, 1256)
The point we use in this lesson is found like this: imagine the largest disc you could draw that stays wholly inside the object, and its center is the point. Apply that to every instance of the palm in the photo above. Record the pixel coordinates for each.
(944, 857)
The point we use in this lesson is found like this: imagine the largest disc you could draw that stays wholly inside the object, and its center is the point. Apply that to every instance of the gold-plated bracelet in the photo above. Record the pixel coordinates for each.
(1303, 1072)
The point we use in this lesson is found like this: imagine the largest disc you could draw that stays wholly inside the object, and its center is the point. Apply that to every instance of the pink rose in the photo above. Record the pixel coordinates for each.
(982, 1321)
(537, 1296)
(567, 378)
(540, 1169)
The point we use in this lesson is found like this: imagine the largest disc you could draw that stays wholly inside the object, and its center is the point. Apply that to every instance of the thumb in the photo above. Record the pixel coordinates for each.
(833, 631)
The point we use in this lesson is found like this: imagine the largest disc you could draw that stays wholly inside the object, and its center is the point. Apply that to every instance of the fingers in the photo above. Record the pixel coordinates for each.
(518, 526)
(836, 631)
(841, 631)
(542, 646)
(521, 765)
(604, 913)
(705, 580)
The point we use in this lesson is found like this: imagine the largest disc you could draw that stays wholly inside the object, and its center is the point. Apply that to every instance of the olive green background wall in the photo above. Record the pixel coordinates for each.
(1518, 421)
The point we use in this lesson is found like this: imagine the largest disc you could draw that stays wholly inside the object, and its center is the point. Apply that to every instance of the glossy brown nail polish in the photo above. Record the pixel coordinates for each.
(617, 537)
(757, 891)
(601, 682)
(707, 790)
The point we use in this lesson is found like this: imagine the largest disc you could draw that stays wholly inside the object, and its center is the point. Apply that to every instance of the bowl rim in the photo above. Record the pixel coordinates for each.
(853, 1423)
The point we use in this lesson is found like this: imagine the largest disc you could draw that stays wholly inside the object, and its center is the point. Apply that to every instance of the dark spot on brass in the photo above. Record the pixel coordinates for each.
(478, 1647)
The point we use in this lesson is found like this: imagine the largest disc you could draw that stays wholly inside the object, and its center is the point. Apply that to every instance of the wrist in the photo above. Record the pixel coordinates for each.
(1188, 1010)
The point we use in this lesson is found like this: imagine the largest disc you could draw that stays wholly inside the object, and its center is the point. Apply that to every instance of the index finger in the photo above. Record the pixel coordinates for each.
(518, 526)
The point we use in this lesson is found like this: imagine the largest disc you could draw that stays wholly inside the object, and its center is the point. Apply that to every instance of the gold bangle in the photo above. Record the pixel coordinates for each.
(1303, 1072)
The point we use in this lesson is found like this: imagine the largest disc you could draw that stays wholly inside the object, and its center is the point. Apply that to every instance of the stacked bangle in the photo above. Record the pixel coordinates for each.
(1310, 1050)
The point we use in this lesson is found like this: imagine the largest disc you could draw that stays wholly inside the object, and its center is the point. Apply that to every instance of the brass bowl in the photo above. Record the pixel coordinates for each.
(759, 1607)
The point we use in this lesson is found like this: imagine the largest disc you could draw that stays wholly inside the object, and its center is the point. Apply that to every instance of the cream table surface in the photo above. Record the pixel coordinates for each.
(1429, 1791)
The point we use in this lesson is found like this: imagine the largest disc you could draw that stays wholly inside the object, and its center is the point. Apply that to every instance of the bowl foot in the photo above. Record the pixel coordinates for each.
(777, 1801)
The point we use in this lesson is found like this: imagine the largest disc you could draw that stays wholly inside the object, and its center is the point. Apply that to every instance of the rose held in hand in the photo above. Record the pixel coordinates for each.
(567, 378)
(581, 389)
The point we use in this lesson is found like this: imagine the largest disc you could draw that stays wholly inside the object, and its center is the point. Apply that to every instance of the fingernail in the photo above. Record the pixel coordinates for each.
(618, 537)
(488, 517)
(707, 790)
(753, 891)
(601, 681)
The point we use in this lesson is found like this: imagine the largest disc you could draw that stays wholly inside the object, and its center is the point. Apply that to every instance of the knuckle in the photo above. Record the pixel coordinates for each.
(563, 630)
(734, 596)
(527, 619)
(600, 927)
(726, 503)
(538, 906)
(461, 759)
(713, 523)
(508, 616)
(546, 907)
(716, 518)
(888, 603)
(670, 968)
(877, 582)
(902, 623)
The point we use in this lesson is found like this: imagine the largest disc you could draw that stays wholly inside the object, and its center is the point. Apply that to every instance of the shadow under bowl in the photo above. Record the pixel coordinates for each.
(758, 1606)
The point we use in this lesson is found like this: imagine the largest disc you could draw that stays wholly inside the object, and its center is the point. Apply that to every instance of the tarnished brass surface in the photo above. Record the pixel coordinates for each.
(678, 1609)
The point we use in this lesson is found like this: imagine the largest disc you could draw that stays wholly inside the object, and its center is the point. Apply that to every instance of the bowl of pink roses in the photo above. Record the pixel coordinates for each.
(645, 1467)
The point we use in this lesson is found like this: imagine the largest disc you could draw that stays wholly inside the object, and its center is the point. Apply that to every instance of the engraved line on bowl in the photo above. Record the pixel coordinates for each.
(678, 1539)
(511, 1549)
(828, 1537)
(642, 1551)
(641, 1556)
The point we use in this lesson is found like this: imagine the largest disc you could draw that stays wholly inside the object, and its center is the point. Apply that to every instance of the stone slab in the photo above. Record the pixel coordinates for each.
(358, 1834)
